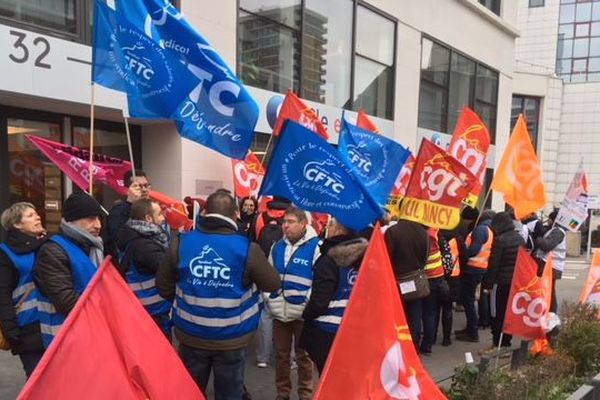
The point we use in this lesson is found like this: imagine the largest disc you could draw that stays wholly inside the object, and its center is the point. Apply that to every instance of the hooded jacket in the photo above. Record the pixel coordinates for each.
(146, 250)
(504, 252)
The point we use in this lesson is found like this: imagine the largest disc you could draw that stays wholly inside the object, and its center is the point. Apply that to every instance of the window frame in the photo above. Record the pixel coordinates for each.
(537, 3)
(538, 100)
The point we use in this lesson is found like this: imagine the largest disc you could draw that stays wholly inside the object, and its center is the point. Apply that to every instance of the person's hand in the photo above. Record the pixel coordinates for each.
(134, 192)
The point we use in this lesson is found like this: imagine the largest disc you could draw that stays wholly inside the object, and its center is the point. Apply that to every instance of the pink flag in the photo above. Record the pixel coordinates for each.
(74, 162)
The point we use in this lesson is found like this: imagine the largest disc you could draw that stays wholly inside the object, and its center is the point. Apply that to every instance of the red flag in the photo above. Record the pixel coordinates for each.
(438, 185)
(404, 177)
(110, 348)
(363, 121)
(373, 356)
(175, 211)
(590, 293)
(529, 299)
(295, 109)
(469, 145)
(74, 162)
(247, 175)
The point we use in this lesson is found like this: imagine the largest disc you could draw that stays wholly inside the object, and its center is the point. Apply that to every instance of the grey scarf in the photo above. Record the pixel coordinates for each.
(150, 230)
(95, 244)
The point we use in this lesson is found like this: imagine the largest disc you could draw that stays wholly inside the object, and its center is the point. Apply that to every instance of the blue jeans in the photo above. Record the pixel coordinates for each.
(414, 313)
(228, 366)
(264, 337)
(468, 286)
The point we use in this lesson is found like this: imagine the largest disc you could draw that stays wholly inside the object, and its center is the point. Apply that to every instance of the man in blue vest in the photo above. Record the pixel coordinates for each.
(67, 262)
(142, 245)
(293, 257)
(214, 274)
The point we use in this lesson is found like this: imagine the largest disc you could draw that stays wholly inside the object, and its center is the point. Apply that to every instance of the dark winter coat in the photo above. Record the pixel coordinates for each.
(505, 248)
(117, 217)
(28, 338)
(339, 251)
(408, 245)
(145, 250)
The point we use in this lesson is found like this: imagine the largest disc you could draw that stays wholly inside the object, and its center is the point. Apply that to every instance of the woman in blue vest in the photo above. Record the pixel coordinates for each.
(66, 263)
(18, 297)
(333, 279)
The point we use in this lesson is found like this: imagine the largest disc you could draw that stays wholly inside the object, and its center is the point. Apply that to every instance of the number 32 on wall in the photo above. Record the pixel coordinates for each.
(21, 53)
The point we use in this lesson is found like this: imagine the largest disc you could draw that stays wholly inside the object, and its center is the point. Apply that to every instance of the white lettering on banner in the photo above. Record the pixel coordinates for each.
(529, 171)
(315, 172)
(189, 111)
(208, 264)
(351, 277)
(398, 381)
(137, 66)
(440, 181)
(215, 91)
(532, 310)
(358, 159)
(300, 261)
(468, 156)
(246, 179)
(159, 17)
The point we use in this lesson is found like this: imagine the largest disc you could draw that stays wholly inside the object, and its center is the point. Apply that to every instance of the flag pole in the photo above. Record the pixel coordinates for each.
(129, 145)
(498, 351)
(485, 199)
(91, 166)
(262, 161)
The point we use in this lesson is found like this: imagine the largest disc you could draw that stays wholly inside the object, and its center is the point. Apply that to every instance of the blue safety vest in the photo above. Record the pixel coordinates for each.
(27, 312)
(82, 269)
(211, 301)
(331, 319)
(296, 276)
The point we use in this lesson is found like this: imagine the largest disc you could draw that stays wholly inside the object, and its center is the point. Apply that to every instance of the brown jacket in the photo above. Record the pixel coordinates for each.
(257, 271)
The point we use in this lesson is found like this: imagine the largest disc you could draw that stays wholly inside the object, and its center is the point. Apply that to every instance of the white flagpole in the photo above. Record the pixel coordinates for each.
(91, 166)
(129, 143)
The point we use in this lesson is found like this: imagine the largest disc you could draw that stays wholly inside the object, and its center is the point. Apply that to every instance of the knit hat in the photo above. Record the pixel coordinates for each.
(81, 205)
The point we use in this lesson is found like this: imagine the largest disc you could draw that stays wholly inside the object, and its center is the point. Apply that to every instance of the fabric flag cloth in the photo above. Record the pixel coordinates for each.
(247, 175)
(574, 208)
(377, 160)
(294, 109)
(469, 144)
(364, 122)
(400, 186)
(528, 299)
(381, 363)
(438, 185)
(74, 162)
(590, 293)
(308, 171)
(519, 175)
(98, 354)
(124, 58)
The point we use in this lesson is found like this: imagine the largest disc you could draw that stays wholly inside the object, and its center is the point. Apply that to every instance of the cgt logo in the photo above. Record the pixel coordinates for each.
(359, 158)
(317, 172)
(209, 265)
(533, 310)
(437, 177)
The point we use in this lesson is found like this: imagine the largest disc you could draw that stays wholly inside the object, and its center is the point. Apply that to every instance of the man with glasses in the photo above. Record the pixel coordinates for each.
(137, 188)
(293, 256)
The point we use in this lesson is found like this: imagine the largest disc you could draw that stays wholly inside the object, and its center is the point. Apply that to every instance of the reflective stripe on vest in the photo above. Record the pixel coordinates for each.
(27, 310)
(211, 301)
(296, 276)
(434, 267)
(144, 288)
(82, 271)
(331, 319)
(480, 260)
(454, 252)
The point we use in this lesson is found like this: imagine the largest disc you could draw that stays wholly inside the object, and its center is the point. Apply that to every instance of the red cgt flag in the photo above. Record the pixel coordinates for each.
(529, 298)
(295, 109)
(373, 356)
(364, 122)
(247, 175)
(110, 348)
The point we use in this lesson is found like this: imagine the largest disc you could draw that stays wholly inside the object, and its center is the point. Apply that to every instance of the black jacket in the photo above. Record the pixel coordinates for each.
(28, 338)
(53, 274)
(145, 250)
(117, 217)
(504, 252)
(408, 245)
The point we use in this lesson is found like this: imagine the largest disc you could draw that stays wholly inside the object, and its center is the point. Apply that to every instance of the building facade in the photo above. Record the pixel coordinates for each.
(412, 65)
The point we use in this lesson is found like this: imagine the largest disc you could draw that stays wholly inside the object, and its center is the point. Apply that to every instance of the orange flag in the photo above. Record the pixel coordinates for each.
(519, 175)
(247, 175)
(590, 293)
(529, 299)
(174, 211)
(364, 122)
(373, 356)
(110, 348)
(469, 145)
(295, 109)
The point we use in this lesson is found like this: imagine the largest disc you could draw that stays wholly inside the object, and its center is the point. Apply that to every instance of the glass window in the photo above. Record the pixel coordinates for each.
(565, 31)
(373, 87)
(433, 106)
(327, 52)
(492, 5)
(435, 62)
(582, 29)
(487, 85)
(536, 3)
(594, 77)
(580, 47)
(580, 65)
(487, 113)
(567, 13)
(565, 48)
(583, 12)
(269, 56)
(596, 12)
(563, 66)
(462, 81)
(374, 36)
(32, 177)
(595, 31)
(286, 12)
(594, 47)
(594, 65)
(60, 15)
(530, 108)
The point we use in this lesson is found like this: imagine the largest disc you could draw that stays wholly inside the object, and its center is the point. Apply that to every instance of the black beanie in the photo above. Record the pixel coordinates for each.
(81, 205)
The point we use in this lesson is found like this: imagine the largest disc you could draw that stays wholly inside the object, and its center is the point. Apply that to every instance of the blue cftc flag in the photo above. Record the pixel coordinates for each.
(218, 112)
(377, 160)
(127, 60)
(308, 171)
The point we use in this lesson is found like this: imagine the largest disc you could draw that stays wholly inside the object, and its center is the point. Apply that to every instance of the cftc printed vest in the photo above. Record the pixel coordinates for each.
(27, 312)
(82, 269)
(331, 319)
(211, 301)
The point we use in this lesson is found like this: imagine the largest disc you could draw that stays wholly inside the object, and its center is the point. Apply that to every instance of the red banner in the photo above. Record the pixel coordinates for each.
(438, 185)
(295, 109)
(364, 122)
(74, 162)
(529, 299)
(404, 177)
(247, 175)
